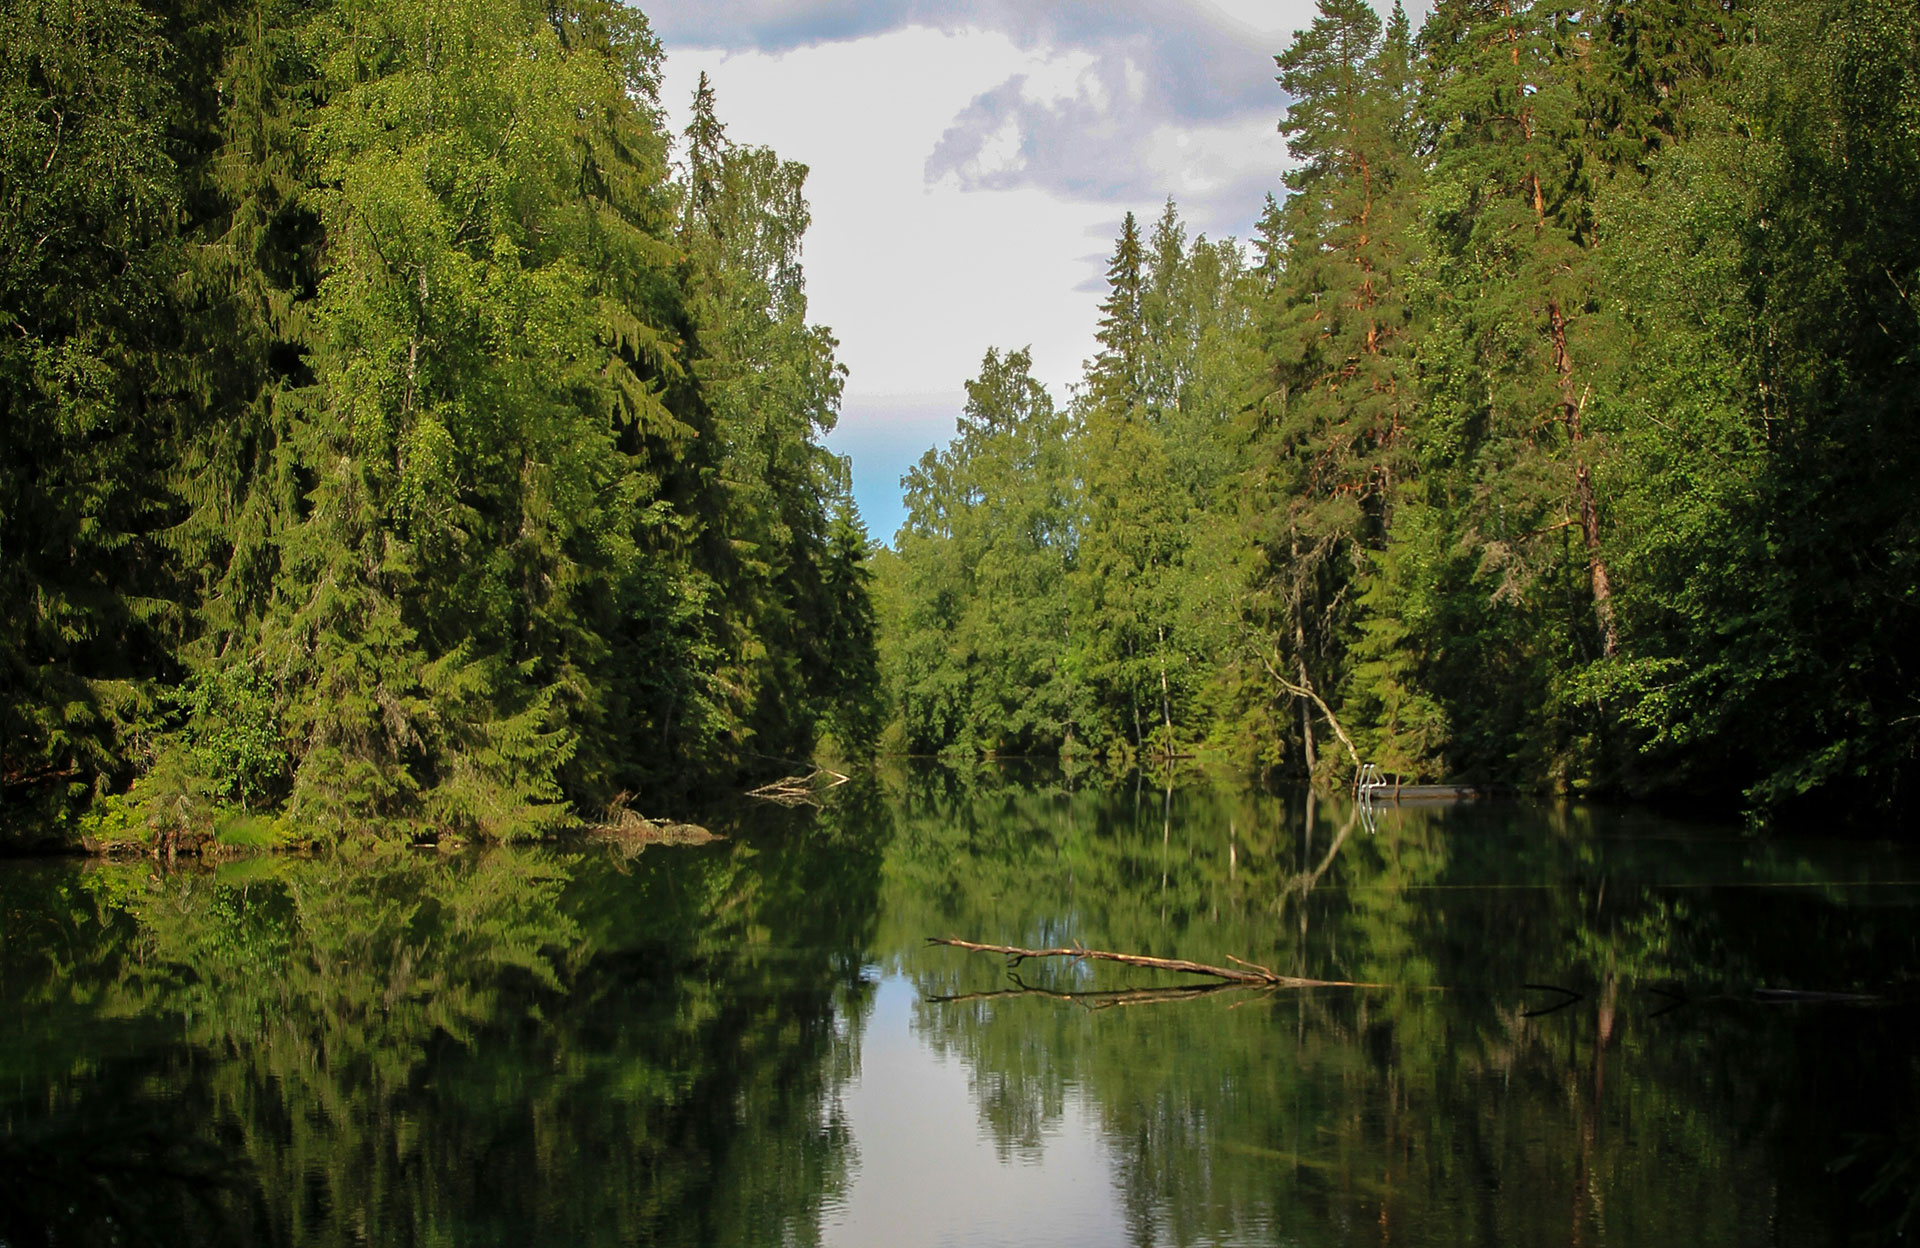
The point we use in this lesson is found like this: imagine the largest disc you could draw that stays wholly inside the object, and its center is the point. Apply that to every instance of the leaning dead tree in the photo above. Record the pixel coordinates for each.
(1241, 972)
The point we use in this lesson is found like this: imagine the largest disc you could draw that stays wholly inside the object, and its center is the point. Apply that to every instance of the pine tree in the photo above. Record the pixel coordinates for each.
(1515, 179)
(1342, 386)
(1118, 372)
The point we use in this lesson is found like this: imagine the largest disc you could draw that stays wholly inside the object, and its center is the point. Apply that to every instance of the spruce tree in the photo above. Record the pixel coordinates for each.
(771, 386)
(93, 399)
(1118, 372)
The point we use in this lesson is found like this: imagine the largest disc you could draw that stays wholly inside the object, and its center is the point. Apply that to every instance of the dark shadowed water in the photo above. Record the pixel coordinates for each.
(749, 1043)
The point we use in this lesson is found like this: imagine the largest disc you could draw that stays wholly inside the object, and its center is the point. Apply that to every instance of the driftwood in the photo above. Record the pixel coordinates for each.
(1244, 975)
(799, 790)
(633, 830)
(1248, 972)
(1306, 691)
(1112, 999)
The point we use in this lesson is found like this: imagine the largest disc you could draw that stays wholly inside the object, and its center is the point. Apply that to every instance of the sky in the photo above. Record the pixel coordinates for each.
(971, 161)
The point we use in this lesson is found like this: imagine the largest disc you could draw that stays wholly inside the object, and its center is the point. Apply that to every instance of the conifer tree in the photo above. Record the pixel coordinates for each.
(771, 385)
(1656, 61)
(1342, 388)
(1513, 225)
(1118, 371)
(706, 145)
(92, 193)
(1134, 519)
(1154, 432)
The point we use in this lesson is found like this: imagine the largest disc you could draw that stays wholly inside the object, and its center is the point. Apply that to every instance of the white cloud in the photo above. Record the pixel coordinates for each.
(917, 279)
(1063, 77)
(1000, 154)
(969, 172)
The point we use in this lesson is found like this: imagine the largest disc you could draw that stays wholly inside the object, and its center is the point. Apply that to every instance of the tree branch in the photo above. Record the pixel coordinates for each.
(1306, 691)
(1253, 974)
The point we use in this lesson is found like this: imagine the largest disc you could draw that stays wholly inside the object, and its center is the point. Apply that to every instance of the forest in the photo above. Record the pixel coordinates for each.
(1556, 431)
(406, 434)
(403, 432)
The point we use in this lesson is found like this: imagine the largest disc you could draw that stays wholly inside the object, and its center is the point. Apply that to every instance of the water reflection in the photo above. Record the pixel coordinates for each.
(1652, 1106)
(749, 1042)
(504, 1048)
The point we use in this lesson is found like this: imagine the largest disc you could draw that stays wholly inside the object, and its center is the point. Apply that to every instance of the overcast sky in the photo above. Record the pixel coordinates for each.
(971, 161)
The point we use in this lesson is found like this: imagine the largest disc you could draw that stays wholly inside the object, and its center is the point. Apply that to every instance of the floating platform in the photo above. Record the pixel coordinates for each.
(1426, 793)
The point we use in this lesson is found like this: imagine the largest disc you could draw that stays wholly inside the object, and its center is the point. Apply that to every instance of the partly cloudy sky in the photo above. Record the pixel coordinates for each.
(971, 161)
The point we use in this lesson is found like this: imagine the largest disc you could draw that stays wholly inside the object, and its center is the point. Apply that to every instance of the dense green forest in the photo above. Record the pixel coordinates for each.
(399, 429)
(1557, 429)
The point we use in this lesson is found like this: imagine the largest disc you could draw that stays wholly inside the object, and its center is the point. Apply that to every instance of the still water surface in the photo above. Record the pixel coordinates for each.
(749, 1043)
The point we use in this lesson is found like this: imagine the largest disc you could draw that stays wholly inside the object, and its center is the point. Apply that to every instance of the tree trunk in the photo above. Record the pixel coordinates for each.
(1306, 712)
(1166, 701)
(1570, 409)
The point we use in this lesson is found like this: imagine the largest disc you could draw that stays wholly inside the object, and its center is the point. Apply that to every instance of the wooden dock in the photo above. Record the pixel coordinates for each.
(1427, 793)
(1374, 785)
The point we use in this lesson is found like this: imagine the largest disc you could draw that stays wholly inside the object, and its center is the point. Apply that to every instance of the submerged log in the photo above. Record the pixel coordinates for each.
(1107, 1000)
(1248, 972)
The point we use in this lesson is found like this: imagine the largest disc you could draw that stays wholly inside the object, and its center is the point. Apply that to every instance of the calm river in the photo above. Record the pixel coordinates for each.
(1595, 1027)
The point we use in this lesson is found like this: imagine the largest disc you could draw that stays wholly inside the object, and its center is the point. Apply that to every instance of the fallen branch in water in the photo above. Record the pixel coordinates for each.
(1252, 974)
(1098, 1000)
(799, 790)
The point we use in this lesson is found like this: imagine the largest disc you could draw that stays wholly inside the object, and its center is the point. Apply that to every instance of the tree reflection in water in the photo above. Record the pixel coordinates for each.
(510, 1047)
(581, 1046)
(1666, 1102)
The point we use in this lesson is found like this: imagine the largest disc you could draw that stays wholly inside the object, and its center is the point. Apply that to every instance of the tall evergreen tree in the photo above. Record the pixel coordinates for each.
(1118, 372)
(1342, 384)
(91, 193)
(772, 387)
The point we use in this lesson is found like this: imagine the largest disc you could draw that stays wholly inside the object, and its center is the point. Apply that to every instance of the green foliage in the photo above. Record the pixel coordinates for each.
(90, 194)
(233, 733)
(1560, 435)
(1052, 590)
(379, 400)
(395, 439)
(978, 595)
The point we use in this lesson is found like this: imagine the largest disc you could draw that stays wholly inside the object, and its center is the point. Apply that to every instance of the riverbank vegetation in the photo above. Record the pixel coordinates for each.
(394, 438)
(1557, 429)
